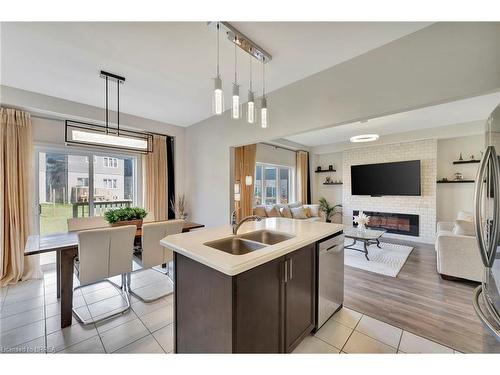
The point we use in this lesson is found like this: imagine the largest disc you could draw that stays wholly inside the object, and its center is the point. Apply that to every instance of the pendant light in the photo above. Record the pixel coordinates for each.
(218, 100)
(251, 100)
(78, 133)
(235, 110)
(263, 107)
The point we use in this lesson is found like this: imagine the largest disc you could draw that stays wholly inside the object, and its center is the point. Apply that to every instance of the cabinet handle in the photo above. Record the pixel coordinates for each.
(291, 269)
(286, 271)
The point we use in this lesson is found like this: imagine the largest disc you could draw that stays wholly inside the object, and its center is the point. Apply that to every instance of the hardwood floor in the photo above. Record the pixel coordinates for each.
(419, 301)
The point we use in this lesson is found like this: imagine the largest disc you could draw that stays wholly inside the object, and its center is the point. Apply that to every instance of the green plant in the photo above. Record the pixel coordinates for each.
(325, 207)
(124, 214)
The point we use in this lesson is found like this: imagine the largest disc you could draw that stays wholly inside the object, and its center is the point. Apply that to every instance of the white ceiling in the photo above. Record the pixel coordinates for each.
(168, 65)
(457, 112)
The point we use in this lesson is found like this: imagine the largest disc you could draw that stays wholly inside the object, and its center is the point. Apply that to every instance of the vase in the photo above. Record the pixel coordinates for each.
(361, 226)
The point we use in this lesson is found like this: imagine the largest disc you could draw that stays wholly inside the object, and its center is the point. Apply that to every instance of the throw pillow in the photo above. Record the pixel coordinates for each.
(307, 210)
(285, 212)
(294, 205)
(465, 215)
(260, 211)
(299, 213)
(273, 211)
(313, 209)
(464, 228)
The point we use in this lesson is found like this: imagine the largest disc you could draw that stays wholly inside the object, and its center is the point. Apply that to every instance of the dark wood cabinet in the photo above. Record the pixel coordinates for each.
(268, 309)
(299, 295)
(258, 300)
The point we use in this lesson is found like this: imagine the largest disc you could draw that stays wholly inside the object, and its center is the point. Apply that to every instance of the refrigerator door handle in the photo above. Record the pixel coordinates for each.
(489, 163)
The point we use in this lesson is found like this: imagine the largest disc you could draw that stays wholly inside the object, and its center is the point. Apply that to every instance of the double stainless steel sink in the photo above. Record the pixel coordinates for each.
(248, 242)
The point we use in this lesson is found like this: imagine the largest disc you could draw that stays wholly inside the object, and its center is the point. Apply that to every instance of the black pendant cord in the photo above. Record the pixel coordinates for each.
(107, 105)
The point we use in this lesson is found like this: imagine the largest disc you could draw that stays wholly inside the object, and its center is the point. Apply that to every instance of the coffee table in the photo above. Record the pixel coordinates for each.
(367, 236)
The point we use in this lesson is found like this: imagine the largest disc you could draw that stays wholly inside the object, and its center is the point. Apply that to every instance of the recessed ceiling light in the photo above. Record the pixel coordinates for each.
(364, 138)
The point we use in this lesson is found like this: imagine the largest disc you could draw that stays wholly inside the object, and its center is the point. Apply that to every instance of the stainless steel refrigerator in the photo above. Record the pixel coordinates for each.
(486, 300)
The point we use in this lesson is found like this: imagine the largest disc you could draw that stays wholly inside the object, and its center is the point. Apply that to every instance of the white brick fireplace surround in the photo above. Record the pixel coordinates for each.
(424, 205)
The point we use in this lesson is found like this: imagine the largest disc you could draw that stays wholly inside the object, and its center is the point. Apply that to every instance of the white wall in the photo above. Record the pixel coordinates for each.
(424, 205)
(332, 193)
(452, 198)
(432, 66)
(275, 155)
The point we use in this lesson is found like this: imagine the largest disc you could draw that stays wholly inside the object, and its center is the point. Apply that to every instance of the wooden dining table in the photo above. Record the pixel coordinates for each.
(65, 245)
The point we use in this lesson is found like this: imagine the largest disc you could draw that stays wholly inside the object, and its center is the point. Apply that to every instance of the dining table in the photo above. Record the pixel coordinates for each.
(65, 245)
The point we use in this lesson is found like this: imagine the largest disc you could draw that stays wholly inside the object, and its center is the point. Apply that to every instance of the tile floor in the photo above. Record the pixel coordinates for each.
(30, 322)
(350, 332)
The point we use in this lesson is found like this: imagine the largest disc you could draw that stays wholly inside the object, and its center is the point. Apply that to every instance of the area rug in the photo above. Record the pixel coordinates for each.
(386, 261)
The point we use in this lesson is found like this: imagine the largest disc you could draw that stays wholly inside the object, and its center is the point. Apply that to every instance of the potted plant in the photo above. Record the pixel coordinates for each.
(125, 216)
(328, 210)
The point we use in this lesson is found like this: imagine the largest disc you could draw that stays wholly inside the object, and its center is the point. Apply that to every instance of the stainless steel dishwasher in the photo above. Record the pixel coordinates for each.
(330, 277)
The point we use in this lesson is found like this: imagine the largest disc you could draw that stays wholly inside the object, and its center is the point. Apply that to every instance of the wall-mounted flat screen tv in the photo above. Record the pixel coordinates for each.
(398, 178)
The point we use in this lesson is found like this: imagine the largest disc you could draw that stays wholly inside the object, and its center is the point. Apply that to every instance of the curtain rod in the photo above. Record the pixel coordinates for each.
(284, 148)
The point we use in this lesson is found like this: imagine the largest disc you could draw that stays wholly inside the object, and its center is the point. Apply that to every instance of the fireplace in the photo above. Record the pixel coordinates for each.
(406, 224)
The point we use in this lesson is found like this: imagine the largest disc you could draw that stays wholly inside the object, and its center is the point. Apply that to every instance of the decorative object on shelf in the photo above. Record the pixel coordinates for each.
(458, 176)
(78, 133)
(254, 51)
(318, 168)
(179, 205)
(472, 157)
(328, 180)
(330, 168)
(460, 157)
(328, 210)
(125, 216)
(362, 220)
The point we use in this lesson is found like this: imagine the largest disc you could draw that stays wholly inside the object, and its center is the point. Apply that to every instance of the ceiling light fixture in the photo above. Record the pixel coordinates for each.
(235, 111)
(251, 99)
(242, 41)
(88, 134)
(263, 107)
(218, 100)
(364, 138)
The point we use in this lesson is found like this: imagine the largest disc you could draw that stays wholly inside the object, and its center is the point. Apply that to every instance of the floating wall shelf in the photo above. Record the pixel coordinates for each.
(456, 182)
(325, 170)
(466, 161)
(332, 183)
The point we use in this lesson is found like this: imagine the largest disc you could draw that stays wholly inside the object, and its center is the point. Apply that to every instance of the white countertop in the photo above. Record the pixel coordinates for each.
(191, 244)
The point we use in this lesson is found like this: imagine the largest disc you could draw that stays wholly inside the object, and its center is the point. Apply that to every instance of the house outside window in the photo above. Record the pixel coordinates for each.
(110, 162)
(273, 184)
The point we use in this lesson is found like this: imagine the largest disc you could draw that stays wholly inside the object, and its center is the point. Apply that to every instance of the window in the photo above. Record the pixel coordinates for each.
(109, 183)
(273, 184)
(65, 180)
(82, 181)
(110, 162)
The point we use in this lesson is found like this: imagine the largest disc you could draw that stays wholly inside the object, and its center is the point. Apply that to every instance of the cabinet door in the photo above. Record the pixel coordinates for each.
(299, 295)
(259, 314)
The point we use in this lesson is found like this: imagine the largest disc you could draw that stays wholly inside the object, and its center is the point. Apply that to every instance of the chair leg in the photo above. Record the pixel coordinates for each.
(147, 300)
(123, 292)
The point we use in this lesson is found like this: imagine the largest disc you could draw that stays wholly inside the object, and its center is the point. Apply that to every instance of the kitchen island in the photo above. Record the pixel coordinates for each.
(256, 292)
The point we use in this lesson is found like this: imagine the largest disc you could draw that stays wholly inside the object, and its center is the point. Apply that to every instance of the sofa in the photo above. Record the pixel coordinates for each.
(457, 250)
(299, 211)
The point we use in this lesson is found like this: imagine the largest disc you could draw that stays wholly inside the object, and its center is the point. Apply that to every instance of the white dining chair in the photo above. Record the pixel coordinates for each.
(85, 223)
(104, 253)
(154, 254)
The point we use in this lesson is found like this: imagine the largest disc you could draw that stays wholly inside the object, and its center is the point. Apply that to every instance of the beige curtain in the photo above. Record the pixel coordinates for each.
(302, 176)
(16, 181)
(155, 179)
(244, 162)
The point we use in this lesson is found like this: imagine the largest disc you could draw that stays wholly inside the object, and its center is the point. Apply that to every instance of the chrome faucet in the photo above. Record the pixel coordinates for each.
(236, 225)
